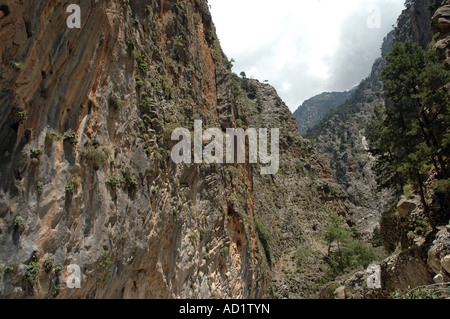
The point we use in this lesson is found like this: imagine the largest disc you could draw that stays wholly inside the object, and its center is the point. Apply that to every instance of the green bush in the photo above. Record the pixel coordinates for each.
(48, 263)
(31, 272)
(73, 183)
(35, 153)
(264, 237)
(52, 136)
(39, 187)
(12, 268)
(94, 156)
(115, 102)
(71, 137)
(113, 182)
(130, 182)
(18, 224)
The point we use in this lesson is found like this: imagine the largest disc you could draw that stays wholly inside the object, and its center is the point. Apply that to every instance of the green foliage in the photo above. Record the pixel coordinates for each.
(73, 183)
(139, 82)
(264, 237)
(48, 263)
(71, 137)
(377, 240)
(113, 182)
(22, 115)
(130, 182)
(31, 272)
(18, 224)
(424, 292)
(410, 136)
(104, 267)
(249, 87)
(12, 268)
(149, 10)
(345, 252)
(98, 158)
(35, 153)
(57, 269)
(17, 65)
(433, 5)
(52, 136)
(115, 102)
(39, 187)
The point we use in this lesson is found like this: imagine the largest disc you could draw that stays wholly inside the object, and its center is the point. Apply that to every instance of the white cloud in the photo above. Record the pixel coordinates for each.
(303, 47)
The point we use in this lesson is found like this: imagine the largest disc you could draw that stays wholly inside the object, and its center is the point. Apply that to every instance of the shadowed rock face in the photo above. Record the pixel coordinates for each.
(85, 124)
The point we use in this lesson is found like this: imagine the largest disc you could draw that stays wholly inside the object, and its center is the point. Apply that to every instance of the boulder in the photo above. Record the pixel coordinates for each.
(406, 206)
(445, 263)
(339, 293)
(441, 20)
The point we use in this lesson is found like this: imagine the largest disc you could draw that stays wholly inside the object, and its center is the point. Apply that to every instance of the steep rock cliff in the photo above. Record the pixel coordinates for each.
(86, 176)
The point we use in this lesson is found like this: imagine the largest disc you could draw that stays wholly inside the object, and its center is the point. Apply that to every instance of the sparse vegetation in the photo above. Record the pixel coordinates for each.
(18, 224)
(73, 183)
(35, 153)
(95, 156)
(115, 102)
(12, 268)
(345, 252)
(113, 182)
(71, 137)
(48, 263)
(129, 182)
(104, 267)
(39, 187)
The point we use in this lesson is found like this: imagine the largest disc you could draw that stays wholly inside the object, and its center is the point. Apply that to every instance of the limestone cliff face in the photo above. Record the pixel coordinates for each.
(86, 176)
(86, 117)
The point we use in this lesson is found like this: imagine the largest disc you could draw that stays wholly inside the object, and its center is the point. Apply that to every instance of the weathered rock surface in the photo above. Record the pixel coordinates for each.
(86, 178)
(106, 197)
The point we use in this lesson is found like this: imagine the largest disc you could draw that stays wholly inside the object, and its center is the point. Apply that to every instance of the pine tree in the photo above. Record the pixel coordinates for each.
(411, 134)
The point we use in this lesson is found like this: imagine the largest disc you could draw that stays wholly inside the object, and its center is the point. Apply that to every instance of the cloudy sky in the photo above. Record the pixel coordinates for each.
(304, 47)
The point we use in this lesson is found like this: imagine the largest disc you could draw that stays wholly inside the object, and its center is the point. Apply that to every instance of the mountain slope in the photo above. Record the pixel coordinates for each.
(313, 110)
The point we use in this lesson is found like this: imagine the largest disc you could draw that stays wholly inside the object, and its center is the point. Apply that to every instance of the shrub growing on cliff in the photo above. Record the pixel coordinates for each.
(113, 182)
(95, 156)
(18, 224)
(264, 238)
(115, 102)
(71, 137)
(73, 183)
(35, 153)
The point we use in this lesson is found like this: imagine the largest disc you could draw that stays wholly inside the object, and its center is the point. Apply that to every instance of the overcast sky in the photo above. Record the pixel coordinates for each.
(304, 47)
